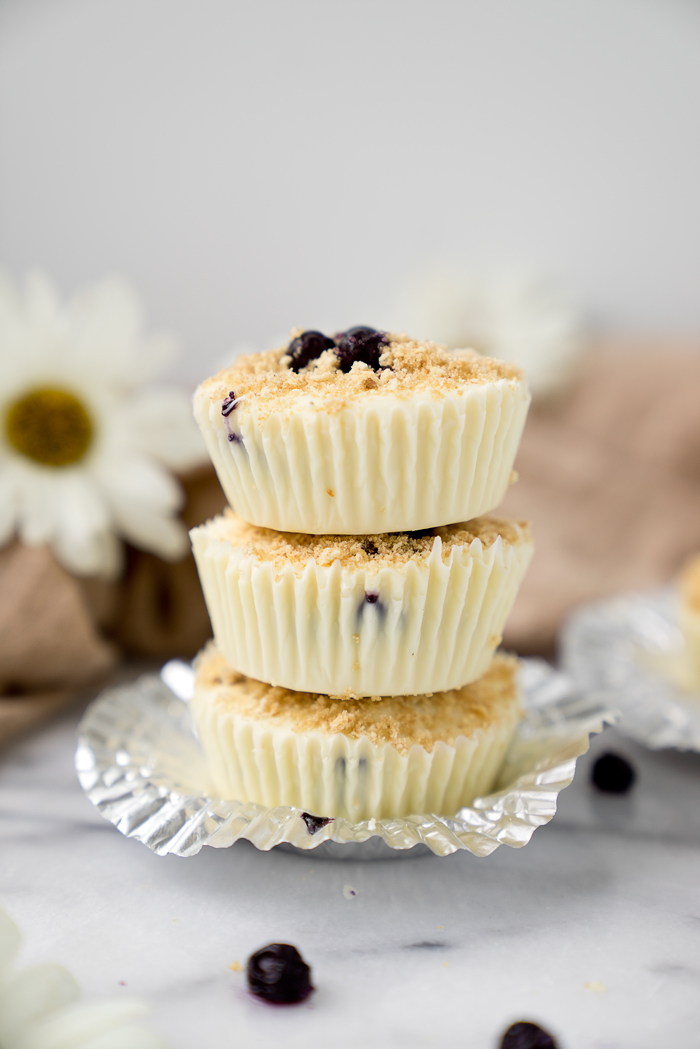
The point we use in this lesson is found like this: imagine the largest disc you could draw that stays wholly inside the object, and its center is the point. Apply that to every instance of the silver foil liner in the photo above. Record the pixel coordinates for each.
(625, 653)
(140, 764)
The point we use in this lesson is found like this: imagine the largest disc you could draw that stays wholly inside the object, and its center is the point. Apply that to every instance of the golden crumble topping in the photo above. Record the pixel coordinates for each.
(264, 382)
(389, 550)
(401, 721)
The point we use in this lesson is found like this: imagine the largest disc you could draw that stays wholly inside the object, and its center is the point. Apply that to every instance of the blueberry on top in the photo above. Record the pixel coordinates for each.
(525, 1035)
(307, 347)
(278, 973)
(612, 774)
(360, 344)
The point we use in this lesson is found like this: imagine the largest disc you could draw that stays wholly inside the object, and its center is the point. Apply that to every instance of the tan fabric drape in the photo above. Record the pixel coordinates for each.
(610, 478)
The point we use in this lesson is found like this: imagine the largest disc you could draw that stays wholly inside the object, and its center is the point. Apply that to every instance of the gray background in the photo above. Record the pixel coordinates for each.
(252, 166)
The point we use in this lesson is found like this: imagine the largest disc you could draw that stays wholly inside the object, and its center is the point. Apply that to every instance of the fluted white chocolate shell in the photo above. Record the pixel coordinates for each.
(414, 627)
(388, 465)
(327, 773)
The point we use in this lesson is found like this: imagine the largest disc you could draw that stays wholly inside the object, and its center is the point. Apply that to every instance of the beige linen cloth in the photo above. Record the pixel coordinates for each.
(59, 635)
(610, 479)
(609, 476)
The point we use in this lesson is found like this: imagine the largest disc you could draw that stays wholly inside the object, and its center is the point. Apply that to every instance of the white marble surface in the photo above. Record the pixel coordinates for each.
(593, 929)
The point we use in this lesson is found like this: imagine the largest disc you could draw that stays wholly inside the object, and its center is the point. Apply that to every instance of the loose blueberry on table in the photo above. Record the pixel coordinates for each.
(526, 1035)
(278, 973)
(612, 774)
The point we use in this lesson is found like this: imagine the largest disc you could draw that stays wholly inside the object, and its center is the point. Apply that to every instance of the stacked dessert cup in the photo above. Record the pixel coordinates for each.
(356, 589)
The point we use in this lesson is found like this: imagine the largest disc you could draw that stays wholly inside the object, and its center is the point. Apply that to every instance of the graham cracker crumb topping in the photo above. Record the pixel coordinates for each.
(390, 550)
(265, 383)
(401, 721)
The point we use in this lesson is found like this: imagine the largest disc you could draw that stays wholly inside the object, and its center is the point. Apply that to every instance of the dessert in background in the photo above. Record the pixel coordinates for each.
(689, 619)
(398, 614)
(359, 760)
(362, 433)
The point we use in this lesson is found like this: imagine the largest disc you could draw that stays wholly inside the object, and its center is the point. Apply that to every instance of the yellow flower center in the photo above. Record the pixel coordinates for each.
(49, 426)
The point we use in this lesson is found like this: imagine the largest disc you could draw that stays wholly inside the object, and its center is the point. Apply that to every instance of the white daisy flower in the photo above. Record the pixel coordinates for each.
(86, 449)
(39, 1008)
(512, 316)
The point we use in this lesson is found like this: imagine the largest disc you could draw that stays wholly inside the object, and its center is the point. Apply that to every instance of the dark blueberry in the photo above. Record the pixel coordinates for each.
(314, 823)
(307, 347)
(360, 344)
(233, 438)
(373, 599)
(525, 1035)
(612, 774)
(369, 547)
(230, 404)
(278, 973)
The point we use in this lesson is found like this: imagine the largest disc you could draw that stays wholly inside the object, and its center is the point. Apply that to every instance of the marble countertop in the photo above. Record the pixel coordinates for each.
(592, 930)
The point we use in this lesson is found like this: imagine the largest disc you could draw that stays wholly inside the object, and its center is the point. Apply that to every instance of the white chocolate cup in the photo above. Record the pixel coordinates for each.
(389, 464)
(408, 628)
(263, 759)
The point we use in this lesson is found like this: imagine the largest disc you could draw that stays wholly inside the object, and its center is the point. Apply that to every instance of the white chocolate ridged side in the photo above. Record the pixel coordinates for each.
(334, 775)
(391, 464)
(434, 624)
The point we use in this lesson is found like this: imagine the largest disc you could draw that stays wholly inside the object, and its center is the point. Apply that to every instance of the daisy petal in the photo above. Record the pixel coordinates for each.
(9, 939)
(8, 508)
(134, 479)
(67, 510)
(96, 553)
(131, 1036)
(161, 423)
(164, 536)
(83, 539)
(76, 1026)
(144, 499)
(38, 491)
(9, 295)
(106, 321)
(32, 994)
(41, 299)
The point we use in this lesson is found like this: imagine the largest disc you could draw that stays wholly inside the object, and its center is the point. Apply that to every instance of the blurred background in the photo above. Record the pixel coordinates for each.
(252, 167)
(522, 177)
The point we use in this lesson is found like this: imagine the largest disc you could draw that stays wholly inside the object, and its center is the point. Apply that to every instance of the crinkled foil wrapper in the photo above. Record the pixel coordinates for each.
(139, 762)
(622, 653)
